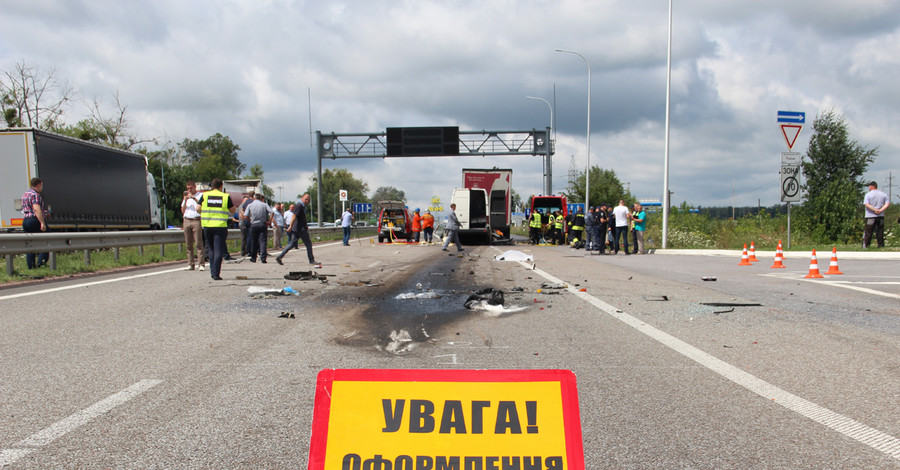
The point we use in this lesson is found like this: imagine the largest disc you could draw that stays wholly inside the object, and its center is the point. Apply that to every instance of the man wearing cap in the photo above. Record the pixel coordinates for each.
(428, 226)
(416, 225)
(876, 203)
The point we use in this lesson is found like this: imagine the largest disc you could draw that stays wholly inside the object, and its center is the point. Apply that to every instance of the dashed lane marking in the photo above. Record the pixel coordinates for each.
(69, 424)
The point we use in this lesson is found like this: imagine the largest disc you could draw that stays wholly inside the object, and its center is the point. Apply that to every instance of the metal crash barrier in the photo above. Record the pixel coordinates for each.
(12, 244)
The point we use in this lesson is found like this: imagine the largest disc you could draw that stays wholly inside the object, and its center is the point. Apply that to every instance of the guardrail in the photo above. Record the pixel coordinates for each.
(12, 244)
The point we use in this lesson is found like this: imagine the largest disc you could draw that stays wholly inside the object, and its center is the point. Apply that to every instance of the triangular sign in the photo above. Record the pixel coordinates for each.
(794, 129)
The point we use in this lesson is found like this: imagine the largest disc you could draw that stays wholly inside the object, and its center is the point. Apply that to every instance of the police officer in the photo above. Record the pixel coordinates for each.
(589, 225)
(215, 212)
(602, 227)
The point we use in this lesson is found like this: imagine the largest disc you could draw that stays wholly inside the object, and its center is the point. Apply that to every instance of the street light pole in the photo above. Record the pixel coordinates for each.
(666, 193)
(548, 174)
(587, 173)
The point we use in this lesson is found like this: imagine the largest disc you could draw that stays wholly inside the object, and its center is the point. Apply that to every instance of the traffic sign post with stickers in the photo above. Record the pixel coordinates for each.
(791, 123)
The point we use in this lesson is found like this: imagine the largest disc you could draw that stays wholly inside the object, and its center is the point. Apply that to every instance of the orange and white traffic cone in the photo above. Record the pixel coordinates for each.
(813, 267)
(745, 260)
(779, 256)
(833, 266)
(752, 257)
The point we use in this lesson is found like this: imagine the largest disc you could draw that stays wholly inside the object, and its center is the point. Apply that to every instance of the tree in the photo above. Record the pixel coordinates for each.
(217, 145)
(605, 187)
(30, 97)
(833, 168)
(389, 193)
(332, 182)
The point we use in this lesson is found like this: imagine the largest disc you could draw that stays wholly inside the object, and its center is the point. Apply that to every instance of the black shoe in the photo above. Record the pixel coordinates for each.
(461, 249)
(443, 249)
(314, 262)
(278, 260)
(252, 260)
(262, 261)
(217, 278)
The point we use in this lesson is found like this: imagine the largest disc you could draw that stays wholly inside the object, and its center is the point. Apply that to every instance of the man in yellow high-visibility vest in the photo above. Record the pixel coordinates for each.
(215, 212)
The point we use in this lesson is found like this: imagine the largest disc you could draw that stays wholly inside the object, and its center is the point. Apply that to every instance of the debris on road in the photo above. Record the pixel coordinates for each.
(513, 255)
(419, 295)
(286, 315)
(708, 278)
(547, 285)
(730, 304)
(258, 292)
(661, 298)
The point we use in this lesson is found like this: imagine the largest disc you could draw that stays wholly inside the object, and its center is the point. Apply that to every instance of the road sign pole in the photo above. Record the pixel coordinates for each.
(789, 225)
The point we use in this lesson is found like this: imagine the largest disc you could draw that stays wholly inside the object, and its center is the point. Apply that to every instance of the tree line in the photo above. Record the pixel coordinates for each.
(833, 165)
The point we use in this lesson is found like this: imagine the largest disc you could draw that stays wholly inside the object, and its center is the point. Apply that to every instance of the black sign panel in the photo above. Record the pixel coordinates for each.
(422, 141)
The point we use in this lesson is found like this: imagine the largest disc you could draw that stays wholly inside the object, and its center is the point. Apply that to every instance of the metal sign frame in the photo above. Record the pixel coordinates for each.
(471, 144)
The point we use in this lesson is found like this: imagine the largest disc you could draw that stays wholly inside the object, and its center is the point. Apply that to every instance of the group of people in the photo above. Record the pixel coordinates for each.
(601, 229)
(207, 217)
(423, 227)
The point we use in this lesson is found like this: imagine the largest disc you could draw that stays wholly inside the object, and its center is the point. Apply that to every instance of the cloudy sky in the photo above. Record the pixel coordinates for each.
(246, 69)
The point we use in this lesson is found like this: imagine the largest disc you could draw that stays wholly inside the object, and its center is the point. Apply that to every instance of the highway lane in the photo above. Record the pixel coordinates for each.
(194, 373)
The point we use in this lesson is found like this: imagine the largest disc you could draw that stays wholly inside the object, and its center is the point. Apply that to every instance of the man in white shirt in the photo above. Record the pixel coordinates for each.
(346, 224)
(622, 215)
(190, 209)
(876, 203)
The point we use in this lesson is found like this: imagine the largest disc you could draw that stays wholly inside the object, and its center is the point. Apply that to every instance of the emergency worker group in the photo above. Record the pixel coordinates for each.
(601, 229)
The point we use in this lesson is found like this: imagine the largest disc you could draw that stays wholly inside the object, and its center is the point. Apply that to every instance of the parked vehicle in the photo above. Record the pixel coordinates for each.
(484, 204)
(87, 186)
(394, 222)
(547, 205)
(472, 212)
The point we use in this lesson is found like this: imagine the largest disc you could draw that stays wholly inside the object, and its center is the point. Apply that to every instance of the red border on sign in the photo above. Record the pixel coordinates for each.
(789, 141)
(327, 377)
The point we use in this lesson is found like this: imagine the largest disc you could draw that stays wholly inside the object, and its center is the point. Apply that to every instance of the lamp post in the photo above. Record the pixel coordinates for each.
(548, 163)
(587, 173)
(666, 192)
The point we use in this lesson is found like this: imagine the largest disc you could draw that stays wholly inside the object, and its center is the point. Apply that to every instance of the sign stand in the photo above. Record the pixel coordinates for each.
(790, 161)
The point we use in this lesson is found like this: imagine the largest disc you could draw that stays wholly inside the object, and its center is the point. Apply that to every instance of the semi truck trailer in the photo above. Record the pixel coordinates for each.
(87, 186)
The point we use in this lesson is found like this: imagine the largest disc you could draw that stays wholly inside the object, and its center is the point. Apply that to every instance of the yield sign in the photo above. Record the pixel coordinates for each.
(789, 130)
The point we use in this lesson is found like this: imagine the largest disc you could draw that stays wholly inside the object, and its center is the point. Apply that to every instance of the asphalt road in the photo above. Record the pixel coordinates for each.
(164, 368)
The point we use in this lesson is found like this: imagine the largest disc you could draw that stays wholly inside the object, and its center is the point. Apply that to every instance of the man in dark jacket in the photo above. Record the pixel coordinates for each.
(300, 230)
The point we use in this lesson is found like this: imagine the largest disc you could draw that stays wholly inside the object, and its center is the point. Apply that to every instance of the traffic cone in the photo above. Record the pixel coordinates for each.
(813, 267)
(779, 256)
(745, 260)
(752, 257)
(833, 266)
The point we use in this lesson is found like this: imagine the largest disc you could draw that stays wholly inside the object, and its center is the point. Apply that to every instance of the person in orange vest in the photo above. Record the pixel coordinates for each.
(416, 225)
(428, 226)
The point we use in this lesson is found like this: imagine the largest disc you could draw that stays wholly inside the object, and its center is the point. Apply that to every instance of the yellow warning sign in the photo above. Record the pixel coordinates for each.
(446, 419)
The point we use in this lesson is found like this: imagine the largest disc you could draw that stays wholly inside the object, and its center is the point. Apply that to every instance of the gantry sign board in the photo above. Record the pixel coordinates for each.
(446, 419)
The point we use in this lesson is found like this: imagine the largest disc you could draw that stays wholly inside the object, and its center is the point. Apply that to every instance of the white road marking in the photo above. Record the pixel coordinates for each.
(86, 284)
(844, 284)
(853, 429)
(107, 281)
(69, 424)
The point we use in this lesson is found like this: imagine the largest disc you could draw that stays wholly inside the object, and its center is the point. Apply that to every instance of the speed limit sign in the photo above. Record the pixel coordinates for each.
(343, 194)
(790, 183)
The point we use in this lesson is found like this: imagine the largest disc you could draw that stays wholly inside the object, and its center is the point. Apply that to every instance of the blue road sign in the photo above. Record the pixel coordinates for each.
(362, 208)
(573, 208)
(793, 117)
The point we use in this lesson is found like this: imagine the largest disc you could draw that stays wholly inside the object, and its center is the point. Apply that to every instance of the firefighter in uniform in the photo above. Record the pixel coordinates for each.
(577, 228)
(535, 227)
(215, 212)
